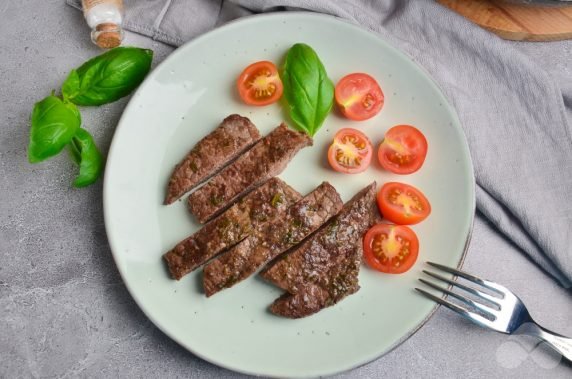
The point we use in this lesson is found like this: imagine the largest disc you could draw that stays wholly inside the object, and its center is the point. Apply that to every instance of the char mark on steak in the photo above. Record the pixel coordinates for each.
(230, 139)
(324, 269)
(268, 158)
(231, 227)
(274, 238)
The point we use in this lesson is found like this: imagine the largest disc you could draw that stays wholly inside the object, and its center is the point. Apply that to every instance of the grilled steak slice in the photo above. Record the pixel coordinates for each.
(232, 137)
(324, 269)
(259, 206)
(222, 233)
(307, 301)
(275, 237)
(264, 160)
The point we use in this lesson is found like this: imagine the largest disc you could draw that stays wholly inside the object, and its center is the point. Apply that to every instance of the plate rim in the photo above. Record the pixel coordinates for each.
(172, 56)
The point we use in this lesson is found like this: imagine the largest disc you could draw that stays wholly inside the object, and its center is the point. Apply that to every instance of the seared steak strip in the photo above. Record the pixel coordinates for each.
(222, 233)
(275, 237)
(259, 206)
(324, 269)
(264, 160)
(232, 137)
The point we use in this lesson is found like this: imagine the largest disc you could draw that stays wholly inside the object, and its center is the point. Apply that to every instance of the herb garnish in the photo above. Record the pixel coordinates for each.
(56, 121)
(307, 88)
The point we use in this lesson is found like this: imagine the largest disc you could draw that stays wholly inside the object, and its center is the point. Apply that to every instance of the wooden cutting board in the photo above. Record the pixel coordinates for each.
(516, 22)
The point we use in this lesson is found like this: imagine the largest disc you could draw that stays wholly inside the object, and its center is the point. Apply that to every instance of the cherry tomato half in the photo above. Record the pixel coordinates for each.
(260, 84)
(403, 150)
(358, 96)
(402, 204)
(350, 152)
(390, 248)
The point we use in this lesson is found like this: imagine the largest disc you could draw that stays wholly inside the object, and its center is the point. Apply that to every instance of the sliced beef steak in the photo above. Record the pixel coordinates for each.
(222, 233)
(264, 160)
(324, 269)
(228, 229)
(230, 139)
(275, 237)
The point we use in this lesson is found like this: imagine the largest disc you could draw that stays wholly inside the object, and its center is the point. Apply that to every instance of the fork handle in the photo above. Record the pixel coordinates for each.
(558, 342)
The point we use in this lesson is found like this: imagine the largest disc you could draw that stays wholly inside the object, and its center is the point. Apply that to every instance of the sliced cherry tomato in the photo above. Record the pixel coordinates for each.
(402, 204)
(390, 248)
(403, 150)
(358, 96)
(260, 84)
(350, 152)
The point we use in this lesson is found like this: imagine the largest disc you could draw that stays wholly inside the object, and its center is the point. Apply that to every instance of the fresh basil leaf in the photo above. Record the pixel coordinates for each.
(86, 154)
(108, 77)
(307, 88)
(54, 123)
(71, 86)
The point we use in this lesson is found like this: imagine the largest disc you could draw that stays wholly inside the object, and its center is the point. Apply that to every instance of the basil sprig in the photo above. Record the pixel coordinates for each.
(107, 77)
(307, 88)
(56, 122)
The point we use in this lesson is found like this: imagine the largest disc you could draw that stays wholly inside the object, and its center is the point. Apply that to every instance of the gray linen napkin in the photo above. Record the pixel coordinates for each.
(512, 111)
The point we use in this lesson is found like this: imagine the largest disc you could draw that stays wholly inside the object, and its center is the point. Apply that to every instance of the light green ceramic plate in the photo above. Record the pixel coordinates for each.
(185, 98)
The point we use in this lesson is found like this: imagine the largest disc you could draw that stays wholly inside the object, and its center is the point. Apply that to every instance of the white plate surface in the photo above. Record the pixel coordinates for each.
(184, 99)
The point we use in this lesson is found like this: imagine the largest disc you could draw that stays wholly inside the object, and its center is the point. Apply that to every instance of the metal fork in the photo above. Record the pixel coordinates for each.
(504, 312)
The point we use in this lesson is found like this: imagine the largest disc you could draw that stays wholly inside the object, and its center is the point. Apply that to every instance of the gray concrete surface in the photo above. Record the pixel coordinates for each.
(64, 311)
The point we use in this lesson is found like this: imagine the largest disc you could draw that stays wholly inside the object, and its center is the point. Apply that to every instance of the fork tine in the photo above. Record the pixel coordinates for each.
(486, 283)
(454, 307)
(486, 310)
(475, 292)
